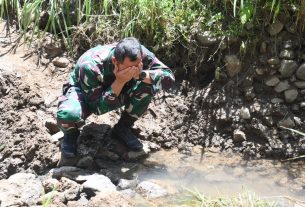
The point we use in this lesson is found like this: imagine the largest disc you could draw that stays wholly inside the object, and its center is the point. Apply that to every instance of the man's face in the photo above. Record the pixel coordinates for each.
(127, 63)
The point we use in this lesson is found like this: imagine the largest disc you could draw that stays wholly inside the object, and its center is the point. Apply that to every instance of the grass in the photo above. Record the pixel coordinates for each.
(2, 146)
(246, 199)
(159, 24)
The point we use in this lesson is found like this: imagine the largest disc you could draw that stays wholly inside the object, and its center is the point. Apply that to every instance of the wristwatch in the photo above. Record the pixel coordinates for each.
(142, 76)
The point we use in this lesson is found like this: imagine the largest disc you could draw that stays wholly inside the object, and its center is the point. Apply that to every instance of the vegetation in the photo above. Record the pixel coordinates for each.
(160, 24)
(246, 199)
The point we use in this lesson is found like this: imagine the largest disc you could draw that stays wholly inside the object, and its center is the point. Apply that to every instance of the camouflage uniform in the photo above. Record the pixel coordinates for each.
(89, 89)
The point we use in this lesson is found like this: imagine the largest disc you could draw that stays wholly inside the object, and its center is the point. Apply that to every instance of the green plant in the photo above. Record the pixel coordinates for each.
(246, 199)
(2, 146)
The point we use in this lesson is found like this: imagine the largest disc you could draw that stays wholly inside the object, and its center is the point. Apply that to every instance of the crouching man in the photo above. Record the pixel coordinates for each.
(106, 78)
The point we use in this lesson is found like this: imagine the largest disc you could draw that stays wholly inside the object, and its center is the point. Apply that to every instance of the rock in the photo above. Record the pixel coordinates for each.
(61, 62)
(68, 172)
(291, 95)
(263, 48)
(287, 122)
(244, 113)
(295, 107)
(20, 189)
(206, 38)
(297, 120)
(287, 68)
(129, 193)
(151, 190)
(260, 71)
(98, 183)
(277, 100)
(275, 28)
(85, 162)
(124, 184)
(301, 72)
(233, 65)
(239, 136)
(272, 81)
(71, 189)
(52, 50)
(273, 61)
(50, 184)
(292, 78)
(110, 199)
(302, 105)
(282, 86)
(287, 54)
(82, 202)
(300, 84)
(289, 44)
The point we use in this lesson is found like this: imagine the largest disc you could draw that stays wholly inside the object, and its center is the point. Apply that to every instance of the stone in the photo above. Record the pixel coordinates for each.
(287, 68)
(300, 84)
(82, 202)
(151, 190)
(295, 107)
(297, 120)
(277, 100)
(125, 184)
(110, 199)
(263, 47)
(272, 81)
(282, 86)
(301, 72)
(20, 189)
(68, 172)
(291, 95)
(302, 105)
(260, 71)
(275, 28)
(287, 54)
(61, 62)
(233, 65)
(52, 50)
(239, 136)
(70, 189)
(244, 113)
(129, 193)
(289, 44)
(273, 61)
(50, 184)
(98, 183)
(206, 38)
(85, 162)
(287, 122)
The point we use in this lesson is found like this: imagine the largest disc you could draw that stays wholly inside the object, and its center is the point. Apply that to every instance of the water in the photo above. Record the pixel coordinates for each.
(213, 174)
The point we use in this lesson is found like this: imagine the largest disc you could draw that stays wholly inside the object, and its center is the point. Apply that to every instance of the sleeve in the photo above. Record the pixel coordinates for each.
(90, 80)
(162, 77)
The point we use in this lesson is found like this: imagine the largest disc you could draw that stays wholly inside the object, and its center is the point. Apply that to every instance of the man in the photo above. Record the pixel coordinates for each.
(106, 78)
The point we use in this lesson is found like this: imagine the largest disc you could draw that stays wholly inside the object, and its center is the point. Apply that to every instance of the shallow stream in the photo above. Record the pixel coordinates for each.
(217, 175)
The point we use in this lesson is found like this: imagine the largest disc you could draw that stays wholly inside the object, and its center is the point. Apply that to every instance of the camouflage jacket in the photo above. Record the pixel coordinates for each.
(93, 73)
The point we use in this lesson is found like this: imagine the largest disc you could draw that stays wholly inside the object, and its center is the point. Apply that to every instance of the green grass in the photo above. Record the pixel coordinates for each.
(246, 199)
(159, 24)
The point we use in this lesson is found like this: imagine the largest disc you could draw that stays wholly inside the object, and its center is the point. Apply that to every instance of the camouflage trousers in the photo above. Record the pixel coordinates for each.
(73, 109)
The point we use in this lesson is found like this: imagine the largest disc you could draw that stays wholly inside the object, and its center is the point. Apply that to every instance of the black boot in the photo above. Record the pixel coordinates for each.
(122, 131)
(68, 145)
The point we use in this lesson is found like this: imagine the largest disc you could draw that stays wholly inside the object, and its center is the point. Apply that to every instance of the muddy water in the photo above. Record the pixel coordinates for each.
(214, 174)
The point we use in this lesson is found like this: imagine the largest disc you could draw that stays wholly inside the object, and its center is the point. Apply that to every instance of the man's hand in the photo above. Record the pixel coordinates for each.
(123, 76)
(138, 70)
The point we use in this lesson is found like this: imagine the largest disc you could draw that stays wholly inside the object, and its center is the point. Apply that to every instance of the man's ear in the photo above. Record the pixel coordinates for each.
(114, 61)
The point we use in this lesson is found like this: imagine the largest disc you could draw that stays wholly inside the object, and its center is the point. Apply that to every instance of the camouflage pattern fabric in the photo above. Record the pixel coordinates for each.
(90, 91)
